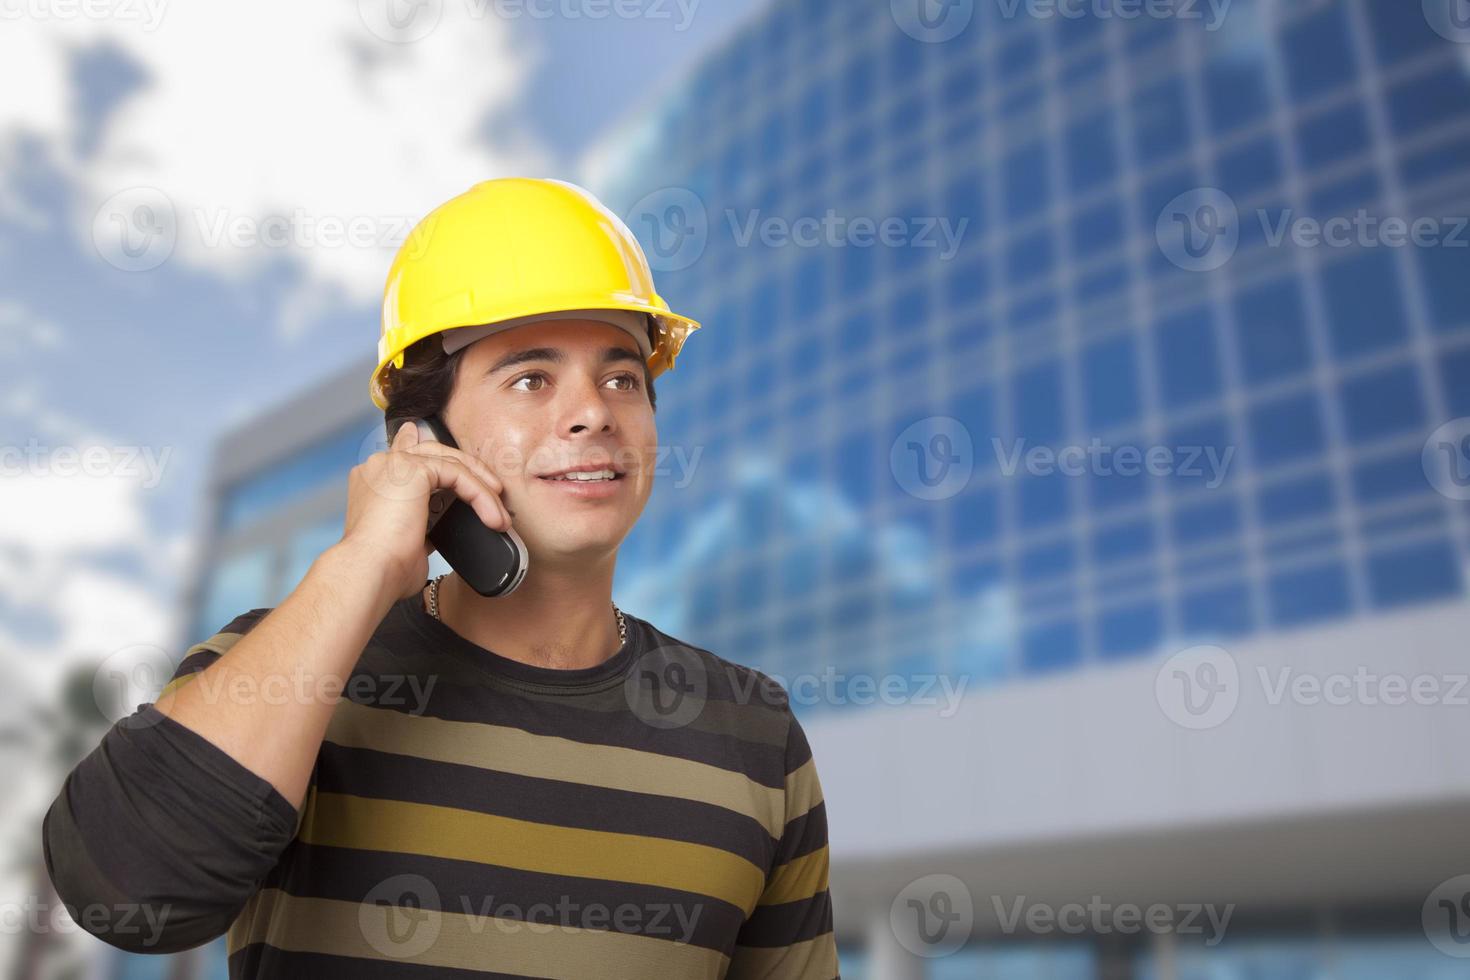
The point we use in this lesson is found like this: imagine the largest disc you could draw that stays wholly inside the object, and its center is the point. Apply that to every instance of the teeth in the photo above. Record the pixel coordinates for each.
(589, 477)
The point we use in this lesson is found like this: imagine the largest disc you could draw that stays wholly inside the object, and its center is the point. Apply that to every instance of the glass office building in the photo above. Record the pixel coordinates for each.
(1099, 243)
(938, 250)
(1294, 387)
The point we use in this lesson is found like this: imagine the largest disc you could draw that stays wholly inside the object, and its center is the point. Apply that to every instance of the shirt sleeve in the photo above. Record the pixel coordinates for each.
(158, 837)
(789, 935)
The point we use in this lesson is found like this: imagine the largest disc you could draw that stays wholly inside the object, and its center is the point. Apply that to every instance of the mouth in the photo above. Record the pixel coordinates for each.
(586, 485)
(608, 475)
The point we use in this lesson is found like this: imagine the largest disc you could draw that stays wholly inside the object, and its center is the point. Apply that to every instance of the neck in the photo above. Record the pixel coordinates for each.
(558, 618)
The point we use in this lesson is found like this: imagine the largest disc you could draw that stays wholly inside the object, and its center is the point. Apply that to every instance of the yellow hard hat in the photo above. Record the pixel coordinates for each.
(512, 249)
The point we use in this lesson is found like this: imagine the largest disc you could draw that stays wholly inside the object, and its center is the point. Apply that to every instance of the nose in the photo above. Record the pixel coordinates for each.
(586, 410)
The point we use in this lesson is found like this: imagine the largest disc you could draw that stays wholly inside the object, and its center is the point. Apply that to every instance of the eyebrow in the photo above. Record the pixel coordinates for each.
(610, 355)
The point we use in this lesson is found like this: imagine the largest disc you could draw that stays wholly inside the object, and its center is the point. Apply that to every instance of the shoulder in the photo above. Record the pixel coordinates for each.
(742, 692)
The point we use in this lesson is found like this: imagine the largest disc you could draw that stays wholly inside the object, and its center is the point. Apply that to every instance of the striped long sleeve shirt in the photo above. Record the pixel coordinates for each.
(469, 815)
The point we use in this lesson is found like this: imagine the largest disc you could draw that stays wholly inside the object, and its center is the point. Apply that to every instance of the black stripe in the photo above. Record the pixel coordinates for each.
(603, 718)
(386, 776)
(805, 834)
(263, 960)
(773, 926)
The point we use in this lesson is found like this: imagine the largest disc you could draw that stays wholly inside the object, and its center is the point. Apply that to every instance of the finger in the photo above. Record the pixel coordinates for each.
(451, 473)
(480, 468)
(407, 435)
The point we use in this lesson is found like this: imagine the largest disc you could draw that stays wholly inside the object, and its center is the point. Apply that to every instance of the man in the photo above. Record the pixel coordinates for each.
(531, 784)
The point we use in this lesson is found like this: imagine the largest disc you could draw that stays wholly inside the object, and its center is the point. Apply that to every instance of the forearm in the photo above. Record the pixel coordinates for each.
(267, 701)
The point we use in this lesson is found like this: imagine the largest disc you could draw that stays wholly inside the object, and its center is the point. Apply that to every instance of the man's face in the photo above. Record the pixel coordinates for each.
(574, 395)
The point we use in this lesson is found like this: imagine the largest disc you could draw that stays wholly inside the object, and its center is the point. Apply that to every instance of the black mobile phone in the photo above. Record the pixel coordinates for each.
(493, 562)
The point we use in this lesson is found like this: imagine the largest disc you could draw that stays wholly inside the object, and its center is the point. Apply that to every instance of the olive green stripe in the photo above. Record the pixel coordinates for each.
(803, 790)
(454, 940)
(363, 823)
(798, 878)
(218, 644)
(506, 749)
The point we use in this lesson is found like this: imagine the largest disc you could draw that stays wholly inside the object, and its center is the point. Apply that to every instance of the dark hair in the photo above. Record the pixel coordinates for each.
(422, 386)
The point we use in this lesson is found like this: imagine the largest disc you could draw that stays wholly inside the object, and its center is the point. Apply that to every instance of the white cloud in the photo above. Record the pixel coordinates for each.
(272, 109)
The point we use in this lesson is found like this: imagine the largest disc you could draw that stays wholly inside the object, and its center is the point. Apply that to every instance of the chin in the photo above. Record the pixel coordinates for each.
(593, 539)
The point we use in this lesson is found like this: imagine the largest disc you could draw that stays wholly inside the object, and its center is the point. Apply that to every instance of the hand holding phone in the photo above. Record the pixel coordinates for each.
(492, 562)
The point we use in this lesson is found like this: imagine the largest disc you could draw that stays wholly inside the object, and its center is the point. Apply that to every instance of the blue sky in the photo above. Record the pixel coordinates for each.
(212, 129)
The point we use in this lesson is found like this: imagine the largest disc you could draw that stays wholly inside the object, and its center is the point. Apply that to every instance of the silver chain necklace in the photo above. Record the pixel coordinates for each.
(434, 609)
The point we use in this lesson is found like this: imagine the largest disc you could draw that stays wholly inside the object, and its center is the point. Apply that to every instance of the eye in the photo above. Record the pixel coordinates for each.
(532, 375)
(634, 382)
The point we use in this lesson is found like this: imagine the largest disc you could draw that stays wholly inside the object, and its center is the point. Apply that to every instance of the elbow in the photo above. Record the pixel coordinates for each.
(136, 915)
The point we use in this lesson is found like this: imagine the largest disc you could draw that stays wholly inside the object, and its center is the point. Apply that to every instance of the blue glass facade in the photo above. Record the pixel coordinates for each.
(1292, 387)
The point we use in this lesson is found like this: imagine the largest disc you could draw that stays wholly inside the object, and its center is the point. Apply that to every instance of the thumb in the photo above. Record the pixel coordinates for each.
(407, 434)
